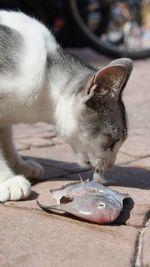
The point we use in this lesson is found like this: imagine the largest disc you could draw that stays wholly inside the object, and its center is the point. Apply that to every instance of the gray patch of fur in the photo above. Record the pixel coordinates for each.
(10, 45)
(104, 120)
(75, 69)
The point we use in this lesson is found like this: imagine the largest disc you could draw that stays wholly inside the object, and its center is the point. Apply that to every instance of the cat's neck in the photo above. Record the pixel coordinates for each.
(67, 74)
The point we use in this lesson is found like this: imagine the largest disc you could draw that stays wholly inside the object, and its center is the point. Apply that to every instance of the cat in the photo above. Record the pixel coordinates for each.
(39, 81)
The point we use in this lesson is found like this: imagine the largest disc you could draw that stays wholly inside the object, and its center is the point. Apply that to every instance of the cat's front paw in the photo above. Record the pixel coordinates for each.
(15, 188)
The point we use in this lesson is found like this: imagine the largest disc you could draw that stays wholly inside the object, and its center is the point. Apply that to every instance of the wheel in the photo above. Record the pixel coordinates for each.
(124, 28)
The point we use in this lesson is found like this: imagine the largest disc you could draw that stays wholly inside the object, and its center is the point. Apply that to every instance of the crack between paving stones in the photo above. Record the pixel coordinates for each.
(128, 154)
(133, 156)
(134, 160)
(139, 243)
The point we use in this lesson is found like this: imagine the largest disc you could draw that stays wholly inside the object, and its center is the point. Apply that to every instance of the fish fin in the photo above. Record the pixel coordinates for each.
(58, 189)
(81, 178)
(64, 187)
(83, 183)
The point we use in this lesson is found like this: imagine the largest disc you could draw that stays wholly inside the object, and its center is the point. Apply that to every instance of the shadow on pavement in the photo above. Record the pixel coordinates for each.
(122, 176)
(130, 177)
(124, 215)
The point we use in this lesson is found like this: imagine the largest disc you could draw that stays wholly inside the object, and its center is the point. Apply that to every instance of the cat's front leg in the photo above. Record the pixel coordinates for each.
(29, 168)
(12, 186)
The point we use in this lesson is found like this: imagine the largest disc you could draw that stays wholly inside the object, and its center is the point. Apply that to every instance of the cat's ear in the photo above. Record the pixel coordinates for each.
(111, 80)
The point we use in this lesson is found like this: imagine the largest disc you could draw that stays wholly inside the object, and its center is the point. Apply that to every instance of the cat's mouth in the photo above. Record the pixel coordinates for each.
(99, 166)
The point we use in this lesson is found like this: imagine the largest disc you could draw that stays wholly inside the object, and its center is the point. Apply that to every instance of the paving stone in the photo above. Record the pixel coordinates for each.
(20, 146)
(142, 163)
(138, 83)
(137, 146)
(139, 132)
(145, 253)
(36, 239)
(57, 140)
(47, 134)
(135, 210)
(34, 141)
(123, 158)
(62, 153)
(26, 130)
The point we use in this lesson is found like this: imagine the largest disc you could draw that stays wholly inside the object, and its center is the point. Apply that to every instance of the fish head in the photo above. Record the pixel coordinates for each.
(99, 208)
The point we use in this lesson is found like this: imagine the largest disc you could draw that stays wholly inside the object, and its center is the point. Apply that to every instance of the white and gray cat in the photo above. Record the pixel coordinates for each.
(41, 82)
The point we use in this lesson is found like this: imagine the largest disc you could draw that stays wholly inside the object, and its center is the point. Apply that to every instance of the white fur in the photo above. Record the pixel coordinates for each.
(28, 87)
(30, 97)
(65, 116)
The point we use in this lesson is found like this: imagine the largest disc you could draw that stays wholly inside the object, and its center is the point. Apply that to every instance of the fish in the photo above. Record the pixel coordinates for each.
(89, 201)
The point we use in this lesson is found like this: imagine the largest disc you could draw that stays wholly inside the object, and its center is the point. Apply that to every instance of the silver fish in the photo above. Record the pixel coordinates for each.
(90, 201)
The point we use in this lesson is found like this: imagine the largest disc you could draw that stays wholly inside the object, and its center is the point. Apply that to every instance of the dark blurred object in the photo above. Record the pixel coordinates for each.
(57, 16)
(111, 27)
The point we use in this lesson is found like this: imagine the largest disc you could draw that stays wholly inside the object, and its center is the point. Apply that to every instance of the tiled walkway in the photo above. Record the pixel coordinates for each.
(30, 237)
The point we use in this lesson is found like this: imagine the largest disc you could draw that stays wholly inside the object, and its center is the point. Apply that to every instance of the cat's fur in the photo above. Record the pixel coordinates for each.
(41, 82)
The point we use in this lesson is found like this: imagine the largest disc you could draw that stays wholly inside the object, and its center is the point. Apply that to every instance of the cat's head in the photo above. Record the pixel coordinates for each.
(102, 125)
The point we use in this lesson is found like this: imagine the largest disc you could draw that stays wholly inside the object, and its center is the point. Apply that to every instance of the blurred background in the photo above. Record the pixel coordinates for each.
(113, 28)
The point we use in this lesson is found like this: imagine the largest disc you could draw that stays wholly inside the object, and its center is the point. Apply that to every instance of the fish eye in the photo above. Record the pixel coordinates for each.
(100, 205)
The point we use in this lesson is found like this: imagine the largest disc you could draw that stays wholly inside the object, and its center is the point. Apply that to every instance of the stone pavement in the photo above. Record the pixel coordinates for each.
(31, 237)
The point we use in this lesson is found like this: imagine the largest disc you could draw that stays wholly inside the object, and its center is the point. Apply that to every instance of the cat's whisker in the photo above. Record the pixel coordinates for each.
(81, 179)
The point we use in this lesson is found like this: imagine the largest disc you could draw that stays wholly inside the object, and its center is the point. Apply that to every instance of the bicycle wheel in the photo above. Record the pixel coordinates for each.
(134, 39)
